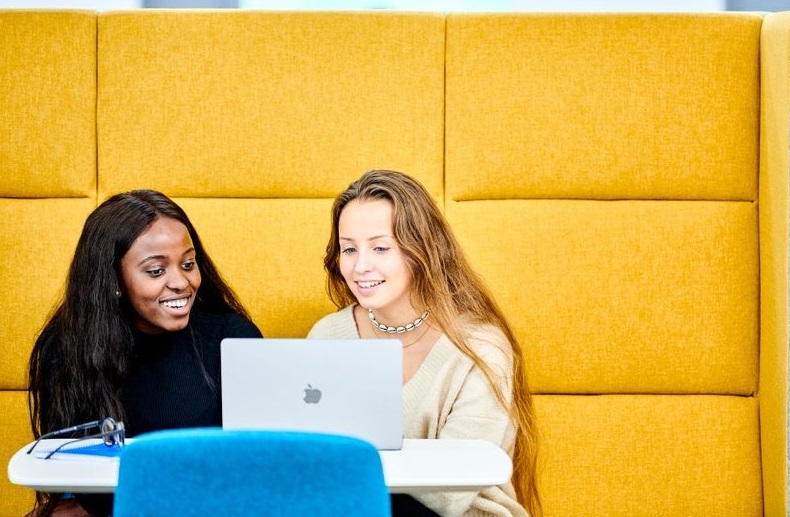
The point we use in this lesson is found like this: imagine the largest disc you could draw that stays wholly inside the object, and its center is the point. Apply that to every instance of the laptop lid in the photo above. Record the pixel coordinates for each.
(340, 386)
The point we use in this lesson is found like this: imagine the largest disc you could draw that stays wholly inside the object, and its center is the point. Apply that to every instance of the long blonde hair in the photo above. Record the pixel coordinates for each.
(445, 282)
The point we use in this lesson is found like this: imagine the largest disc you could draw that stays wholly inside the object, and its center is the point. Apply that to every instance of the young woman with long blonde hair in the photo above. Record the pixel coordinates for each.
(396, 270)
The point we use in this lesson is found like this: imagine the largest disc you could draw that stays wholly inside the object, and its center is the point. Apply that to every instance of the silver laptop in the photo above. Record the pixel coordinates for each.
(341, 386)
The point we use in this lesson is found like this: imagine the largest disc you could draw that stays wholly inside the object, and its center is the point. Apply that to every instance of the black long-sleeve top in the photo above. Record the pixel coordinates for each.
(167, 388)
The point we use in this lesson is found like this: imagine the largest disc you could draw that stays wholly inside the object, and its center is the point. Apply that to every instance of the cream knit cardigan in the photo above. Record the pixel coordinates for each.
(449, 397)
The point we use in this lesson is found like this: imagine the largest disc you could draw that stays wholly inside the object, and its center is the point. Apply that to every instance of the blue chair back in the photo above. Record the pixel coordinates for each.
(211, 472)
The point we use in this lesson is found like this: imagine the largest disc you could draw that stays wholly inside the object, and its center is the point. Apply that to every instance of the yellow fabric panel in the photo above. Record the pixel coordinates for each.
(774, 226)
(271, 252)
(268, 104)
(648, 455)
(48, 103)
(605, 106)
(14, 433)
(37, 241)
(623, 296)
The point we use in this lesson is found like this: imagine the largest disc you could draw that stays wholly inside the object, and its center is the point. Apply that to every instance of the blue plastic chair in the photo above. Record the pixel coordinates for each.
(211, 472)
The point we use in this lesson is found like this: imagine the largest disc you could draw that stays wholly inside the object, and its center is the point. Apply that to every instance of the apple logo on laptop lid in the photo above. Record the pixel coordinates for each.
(312, 395)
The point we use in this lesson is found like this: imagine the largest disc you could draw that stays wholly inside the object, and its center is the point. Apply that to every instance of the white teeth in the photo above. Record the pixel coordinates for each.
(366, 285)
(175, 304)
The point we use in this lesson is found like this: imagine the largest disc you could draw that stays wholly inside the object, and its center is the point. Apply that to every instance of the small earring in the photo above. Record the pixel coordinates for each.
(117, 293)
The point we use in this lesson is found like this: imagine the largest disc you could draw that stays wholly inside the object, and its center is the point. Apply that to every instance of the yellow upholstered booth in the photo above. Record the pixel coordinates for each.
(47, 188)
(620, 180)
(605, 181)
(258, 119)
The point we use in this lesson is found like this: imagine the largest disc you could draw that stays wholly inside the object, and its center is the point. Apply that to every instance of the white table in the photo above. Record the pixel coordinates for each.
(421, 466)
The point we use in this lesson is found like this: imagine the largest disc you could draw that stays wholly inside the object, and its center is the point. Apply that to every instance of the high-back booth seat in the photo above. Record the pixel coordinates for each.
(620, 180)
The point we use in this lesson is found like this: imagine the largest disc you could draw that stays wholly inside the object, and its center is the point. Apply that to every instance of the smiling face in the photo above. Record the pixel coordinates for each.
(371, 261)
(160, 277)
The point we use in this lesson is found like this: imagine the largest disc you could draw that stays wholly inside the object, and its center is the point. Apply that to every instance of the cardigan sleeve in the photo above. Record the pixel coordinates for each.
(475, 413)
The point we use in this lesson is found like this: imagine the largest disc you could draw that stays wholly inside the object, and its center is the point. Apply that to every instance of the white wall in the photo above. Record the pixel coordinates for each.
(417, 5)
(98, 5)
(494, 5)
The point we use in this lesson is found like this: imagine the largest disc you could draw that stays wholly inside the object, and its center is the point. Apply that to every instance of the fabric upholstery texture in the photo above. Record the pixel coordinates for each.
(268, 104)
(285, 296)
(208, 472)
(659, 107)
(47, 187)
(614, 285)
(38, 240)
(48, 104)
(647, 455)
(628, 195)
(774, 224)
(14, 430)
(619, 180)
